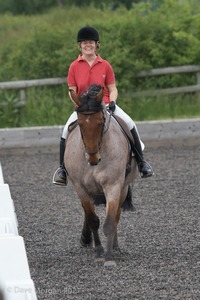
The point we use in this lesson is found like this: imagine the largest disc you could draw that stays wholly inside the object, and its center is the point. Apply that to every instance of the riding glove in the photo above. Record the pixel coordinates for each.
(112, 106)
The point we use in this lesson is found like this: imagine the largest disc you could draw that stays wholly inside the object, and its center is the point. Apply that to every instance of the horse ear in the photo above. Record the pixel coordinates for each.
(75, 97)
(100, 94)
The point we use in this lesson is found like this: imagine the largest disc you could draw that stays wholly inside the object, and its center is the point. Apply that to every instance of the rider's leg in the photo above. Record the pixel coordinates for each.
(144, 167)
(60, 176)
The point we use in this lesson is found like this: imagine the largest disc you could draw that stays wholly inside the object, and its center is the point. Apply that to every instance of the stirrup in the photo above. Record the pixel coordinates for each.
(59, 180)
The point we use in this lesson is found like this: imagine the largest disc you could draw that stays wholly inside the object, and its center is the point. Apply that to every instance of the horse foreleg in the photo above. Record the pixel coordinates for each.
(86, 236)
(118, 214)
(110, 230)
(115, 241)
(91, 225)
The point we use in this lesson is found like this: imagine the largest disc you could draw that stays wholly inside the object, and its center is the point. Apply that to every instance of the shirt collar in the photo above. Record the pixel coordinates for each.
(98, 59)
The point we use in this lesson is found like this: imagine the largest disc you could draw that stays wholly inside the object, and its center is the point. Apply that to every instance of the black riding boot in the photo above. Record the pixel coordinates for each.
(144, 167)
(60, 176)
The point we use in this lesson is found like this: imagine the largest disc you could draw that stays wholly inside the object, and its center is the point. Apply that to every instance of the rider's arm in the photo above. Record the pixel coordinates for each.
(113, 92)
(74, 88)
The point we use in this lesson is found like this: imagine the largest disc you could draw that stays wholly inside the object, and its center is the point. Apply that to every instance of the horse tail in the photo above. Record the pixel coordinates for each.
(128, 203)
(126, 206)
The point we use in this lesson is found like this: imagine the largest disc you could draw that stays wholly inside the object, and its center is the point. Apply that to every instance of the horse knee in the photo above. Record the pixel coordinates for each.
(109, 226)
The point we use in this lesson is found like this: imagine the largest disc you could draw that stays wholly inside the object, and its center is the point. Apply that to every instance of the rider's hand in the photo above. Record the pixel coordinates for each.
(112, 106)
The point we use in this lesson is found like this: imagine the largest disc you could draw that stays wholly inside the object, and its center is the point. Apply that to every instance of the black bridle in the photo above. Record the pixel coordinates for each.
(88, 112)
(91, 105)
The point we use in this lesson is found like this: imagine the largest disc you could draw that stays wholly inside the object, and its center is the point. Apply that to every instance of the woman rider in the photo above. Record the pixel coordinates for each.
(89, 68)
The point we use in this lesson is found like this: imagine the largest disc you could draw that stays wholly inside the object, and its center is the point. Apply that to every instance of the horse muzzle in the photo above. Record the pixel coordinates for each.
(93, 158)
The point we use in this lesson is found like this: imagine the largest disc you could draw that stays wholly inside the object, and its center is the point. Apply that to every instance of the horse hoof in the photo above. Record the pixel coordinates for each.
(86, 245)
(117, 248)
(99, 260)
(110, 263)
(98, 251)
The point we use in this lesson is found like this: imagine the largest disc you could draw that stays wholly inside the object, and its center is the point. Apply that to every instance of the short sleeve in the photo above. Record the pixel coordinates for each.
(71, 76)
(110, 76)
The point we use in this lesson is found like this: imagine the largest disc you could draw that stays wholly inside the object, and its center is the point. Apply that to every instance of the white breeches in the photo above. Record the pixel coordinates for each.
(71, 119)
(118, 112)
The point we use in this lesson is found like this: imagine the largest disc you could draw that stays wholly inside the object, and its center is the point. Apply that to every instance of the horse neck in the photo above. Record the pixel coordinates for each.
(110, 122)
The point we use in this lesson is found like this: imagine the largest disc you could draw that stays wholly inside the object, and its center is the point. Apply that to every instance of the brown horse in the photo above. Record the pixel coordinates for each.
(98, 161)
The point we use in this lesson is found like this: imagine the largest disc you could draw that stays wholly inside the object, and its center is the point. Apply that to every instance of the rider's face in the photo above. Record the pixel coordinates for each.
(88, 47)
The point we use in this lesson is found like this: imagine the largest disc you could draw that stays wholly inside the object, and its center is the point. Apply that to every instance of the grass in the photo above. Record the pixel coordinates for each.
(163, 107)
(51, 106)
(44, 106)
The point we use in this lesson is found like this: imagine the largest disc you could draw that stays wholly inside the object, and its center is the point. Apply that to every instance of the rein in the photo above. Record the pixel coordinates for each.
(108, 123)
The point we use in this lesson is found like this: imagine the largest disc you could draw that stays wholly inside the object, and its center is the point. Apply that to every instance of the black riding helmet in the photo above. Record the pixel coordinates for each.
(88, 33)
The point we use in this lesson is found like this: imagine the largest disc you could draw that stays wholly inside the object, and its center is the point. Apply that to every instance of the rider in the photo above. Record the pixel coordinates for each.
(87, 69)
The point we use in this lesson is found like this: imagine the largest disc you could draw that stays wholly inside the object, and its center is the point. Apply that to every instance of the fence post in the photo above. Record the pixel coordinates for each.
(198, 77)
(22, 97)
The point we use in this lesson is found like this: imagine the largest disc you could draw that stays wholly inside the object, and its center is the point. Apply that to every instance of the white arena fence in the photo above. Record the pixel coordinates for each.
(15, 279)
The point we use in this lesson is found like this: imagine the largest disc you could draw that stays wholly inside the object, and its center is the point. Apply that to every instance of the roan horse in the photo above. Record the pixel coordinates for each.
(98, 161)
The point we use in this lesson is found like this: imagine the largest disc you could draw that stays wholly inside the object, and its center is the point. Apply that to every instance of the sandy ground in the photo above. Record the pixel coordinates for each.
(160, 241)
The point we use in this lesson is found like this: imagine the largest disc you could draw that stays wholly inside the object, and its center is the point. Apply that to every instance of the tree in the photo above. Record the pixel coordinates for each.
(26, 6)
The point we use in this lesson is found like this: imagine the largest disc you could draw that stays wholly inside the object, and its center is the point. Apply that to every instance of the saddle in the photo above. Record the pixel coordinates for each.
(125, 130)
(72, 126)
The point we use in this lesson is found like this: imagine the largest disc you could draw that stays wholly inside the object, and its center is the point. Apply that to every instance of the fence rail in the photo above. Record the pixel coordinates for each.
(22, 85)
(169, 71)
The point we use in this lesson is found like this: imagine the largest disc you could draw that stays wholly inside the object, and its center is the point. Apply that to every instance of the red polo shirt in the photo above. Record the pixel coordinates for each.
(82, 75)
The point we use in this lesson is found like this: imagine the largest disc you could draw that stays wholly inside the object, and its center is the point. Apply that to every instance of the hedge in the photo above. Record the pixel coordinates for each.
(43, 46)
(133, 40)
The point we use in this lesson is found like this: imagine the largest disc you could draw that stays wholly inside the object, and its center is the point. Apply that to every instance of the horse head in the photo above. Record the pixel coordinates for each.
(91, 120)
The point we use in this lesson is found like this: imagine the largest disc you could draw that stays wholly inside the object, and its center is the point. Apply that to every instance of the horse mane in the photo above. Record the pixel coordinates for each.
(89, 100)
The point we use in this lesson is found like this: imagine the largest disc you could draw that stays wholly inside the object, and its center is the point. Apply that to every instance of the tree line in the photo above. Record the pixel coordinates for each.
(28, 7)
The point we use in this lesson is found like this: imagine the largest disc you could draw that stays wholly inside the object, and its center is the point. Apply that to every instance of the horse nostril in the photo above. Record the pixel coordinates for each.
(93, 163)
